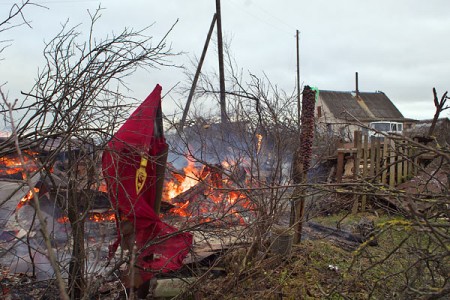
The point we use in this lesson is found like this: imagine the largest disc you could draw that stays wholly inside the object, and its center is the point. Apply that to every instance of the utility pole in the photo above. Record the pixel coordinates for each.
(298, 81)
(223, 111)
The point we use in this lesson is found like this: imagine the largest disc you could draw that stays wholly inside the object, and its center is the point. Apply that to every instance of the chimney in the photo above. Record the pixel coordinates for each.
(357, 88)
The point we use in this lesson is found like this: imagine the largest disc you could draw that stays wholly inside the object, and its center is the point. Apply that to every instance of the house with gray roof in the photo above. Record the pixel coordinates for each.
(341, 113)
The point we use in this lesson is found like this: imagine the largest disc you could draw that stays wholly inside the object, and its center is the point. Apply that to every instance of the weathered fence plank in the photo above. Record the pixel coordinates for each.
(372, 161)
(392, 161)
(405, 159)
(385, 162)
(378, 160)
(365, 168)
(388, 161)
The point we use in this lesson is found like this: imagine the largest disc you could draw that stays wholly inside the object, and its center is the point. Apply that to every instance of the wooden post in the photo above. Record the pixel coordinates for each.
(358, 154)
(197, 73)
(358, 145)
(365, 156)
(372, 161)
(365, 169)
(399, 163)
(302, 161)
(340, 166)
(298, 80)
(416, 160)
(223, 106)
(355, 204)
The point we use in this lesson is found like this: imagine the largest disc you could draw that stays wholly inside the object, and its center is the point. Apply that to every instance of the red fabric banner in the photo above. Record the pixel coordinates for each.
(161, 247)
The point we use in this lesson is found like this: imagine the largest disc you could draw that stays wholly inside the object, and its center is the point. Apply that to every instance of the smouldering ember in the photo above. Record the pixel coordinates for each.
(107, 216)
(103, 187)
(63, 220)
(12, 164)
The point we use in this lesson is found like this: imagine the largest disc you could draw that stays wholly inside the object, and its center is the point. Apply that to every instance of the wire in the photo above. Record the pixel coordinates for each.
(263, 19)
(9, 3)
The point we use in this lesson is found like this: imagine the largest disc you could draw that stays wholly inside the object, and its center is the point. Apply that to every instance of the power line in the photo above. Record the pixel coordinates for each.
(263, 19)
(276, 18)
(9, 3)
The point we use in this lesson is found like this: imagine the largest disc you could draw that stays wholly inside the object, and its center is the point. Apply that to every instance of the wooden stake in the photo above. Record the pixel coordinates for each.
(197, 73)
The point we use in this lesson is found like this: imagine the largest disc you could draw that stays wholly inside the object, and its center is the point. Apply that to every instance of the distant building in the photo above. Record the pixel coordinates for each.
(341, 113)
(441, 131)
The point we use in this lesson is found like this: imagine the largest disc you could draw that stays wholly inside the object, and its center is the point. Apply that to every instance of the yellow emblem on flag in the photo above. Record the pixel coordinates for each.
(141, 175)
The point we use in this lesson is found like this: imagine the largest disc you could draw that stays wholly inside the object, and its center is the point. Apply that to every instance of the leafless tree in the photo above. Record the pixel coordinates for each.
(440, 107)
(74, 107)
(9, 22)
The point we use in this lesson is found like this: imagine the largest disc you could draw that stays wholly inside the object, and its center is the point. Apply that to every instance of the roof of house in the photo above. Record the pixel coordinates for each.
(367, 107)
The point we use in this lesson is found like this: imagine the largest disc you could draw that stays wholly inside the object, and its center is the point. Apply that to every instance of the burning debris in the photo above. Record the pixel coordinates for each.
(22, 244)
(205, 195)
(14, 167)
(194, 195)
(206, 199)
(27, 198)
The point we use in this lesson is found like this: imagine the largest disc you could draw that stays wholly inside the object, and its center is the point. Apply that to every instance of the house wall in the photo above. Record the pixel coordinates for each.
(326, 122)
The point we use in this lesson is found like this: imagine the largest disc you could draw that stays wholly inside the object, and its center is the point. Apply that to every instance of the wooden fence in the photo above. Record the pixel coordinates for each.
(386, 161)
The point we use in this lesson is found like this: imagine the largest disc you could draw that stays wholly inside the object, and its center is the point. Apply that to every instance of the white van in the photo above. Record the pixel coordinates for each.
(382, 128)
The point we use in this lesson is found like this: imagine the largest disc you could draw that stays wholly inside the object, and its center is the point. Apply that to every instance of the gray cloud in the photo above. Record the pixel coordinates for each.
(399, 47)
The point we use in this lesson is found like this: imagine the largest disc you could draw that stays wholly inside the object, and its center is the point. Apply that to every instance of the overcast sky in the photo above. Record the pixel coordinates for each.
(399, 47)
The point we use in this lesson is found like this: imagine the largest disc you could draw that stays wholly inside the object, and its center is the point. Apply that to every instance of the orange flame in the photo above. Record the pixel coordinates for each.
(183, 182)
(222, 203)
(181, 209)
(25, 199)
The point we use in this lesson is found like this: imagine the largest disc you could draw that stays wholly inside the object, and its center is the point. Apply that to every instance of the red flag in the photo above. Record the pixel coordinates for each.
(129, 168)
